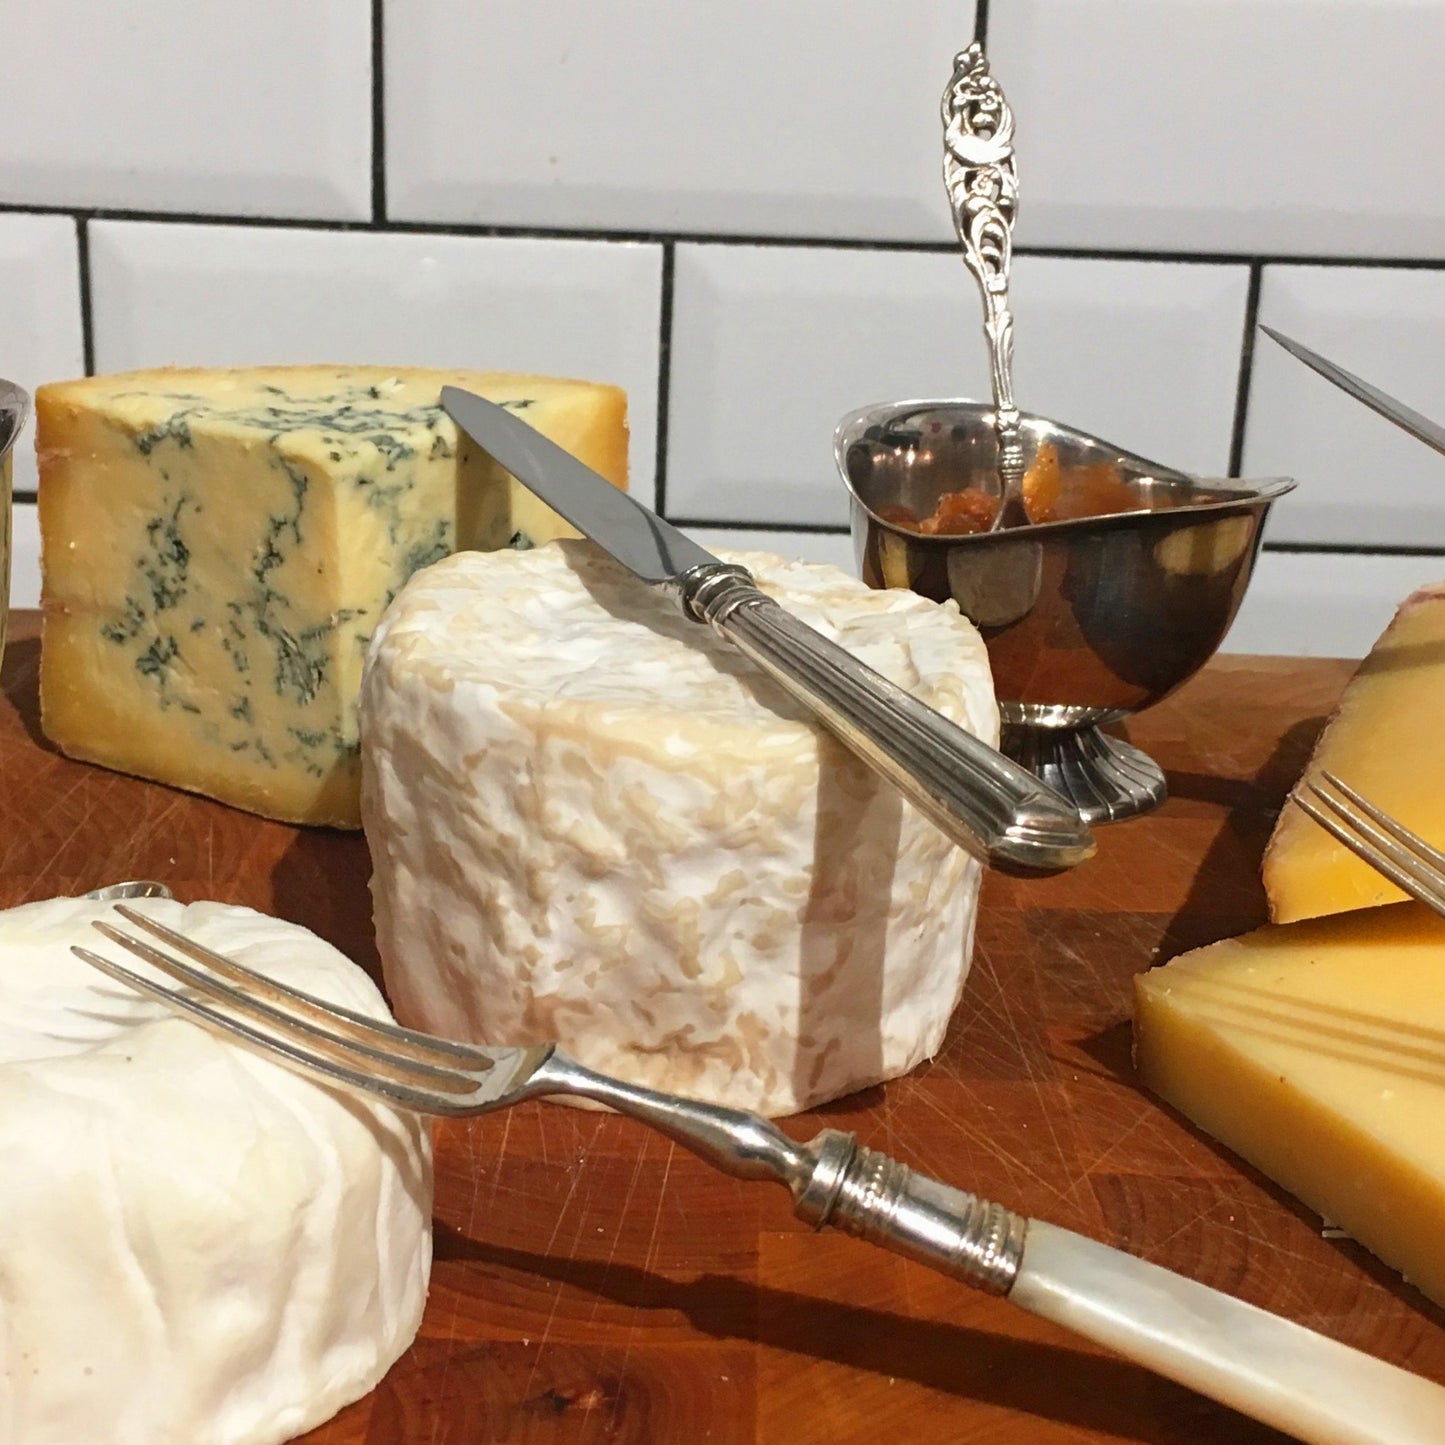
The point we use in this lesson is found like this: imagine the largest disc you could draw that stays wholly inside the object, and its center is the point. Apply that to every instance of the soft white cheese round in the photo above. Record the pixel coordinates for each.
(592, 820)
(197, 1246)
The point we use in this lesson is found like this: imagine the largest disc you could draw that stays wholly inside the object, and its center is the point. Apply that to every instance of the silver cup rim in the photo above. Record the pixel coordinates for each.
(1231, 493)
(15, 409)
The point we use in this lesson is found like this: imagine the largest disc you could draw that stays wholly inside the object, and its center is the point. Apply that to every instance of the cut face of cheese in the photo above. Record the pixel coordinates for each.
(592, 821)
(1317, 1051)
(218, 546)
(196, 1244)
(1385, 741)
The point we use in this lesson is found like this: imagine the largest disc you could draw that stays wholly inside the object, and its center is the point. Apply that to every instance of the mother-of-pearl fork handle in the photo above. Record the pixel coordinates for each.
(1317, 1389)
(1270, 1368)
(1266, 1367)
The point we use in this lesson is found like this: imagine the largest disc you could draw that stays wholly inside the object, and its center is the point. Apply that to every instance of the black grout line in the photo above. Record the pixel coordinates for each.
(1353, 549)
(712, 238)
(87, 315)
(1246, 370)
(664, 378)
(378, 114)
(1194, 258)
(980, 22)
(818, 529)
(823, 529)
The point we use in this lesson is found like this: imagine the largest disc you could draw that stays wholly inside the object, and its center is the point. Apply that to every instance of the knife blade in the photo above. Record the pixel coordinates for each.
(982, 800)
(1420, 427)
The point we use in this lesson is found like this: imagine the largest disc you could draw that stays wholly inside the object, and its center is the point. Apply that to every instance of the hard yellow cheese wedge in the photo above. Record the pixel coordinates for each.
(1317, 1051)
(218, 547)
(1386, 739)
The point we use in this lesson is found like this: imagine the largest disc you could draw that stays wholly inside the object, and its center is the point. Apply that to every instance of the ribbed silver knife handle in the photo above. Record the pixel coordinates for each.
(981, 800)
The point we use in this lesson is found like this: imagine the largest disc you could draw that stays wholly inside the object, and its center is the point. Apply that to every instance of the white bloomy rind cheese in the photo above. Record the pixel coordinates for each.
(593, 821)
(197, 1246)
(217, 547)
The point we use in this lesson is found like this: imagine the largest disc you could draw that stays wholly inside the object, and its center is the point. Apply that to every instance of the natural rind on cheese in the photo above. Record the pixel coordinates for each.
(217, 547)
(1313, 1050)
(1384, 740)
(591, 820)
(196, 1244)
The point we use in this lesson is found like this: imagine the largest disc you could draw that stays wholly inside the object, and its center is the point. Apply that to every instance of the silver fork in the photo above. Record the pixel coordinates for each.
(1370, 833)
(1270, 1368)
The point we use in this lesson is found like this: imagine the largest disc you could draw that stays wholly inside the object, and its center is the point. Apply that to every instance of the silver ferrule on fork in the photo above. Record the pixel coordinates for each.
(878, 1199)
(833, 1179)
(976, 796)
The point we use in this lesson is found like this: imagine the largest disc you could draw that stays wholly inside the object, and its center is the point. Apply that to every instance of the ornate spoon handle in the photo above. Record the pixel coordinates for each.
(982, 180)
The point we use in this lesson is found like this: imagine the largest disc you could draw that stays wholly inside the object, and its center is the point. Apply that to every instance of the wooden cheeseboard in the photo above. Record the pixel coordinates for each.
(595, 1283)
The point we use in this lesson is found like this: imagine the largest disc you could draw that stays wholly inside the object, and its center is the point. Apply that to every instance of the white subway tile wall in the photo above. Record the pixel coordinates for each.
(737, 213)
(25, 558)
(1322, 604)
(1363, 480)
(773, 344)
(261, 109)
(833, 548)
(167, 293)
(1228, 125)
(40, 322)
(786, 117)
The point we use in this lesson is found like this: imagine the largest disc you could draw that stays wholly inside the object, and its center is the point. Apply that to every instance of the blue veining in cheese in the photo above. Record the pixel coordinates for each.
(218, 547)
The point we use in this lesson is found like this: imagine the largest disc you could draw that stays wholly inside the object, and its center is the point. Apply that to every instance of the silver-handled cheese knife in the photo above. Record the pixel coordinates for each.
(1420, 427)
(978, 797)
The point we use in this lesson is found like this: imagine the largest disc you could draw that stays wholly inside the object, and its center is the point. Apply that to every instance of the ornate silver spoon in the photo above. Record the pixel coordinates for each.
(983, 187)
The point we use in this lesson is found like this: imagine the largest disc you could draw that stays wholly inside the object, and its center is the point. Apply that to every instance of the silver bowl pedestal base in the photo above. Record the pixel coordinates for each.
(1103, 776)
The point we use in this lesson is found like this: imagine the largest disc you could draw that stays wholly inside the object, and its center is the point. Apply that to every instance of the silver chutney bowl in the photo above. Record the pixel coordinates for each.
(1087, 620)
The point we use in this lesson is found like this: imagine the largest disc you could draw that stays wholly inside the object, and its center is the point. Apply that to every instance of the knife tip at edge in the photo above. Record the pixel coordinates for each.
(1416, 423)
(1280, 339)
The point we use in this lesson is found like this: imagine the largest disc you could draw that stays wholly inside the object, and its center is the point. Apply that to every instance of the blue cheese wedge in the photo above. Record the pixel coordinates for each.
(218, 547)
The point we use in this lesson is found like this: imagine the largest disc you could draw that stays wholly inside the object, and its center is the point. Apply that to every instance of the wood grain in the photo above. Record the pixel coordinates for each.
(595, 1284)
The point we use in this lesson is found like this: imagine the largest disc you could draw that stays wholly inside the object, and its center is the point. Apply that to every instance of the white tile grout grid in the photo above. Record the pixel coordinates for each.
(753, 238)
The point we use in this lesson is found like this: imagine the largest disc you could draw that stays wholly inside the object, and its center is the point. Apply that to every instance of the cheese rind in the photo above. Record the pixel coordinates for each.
(592, 821)
(217, 547)
(196, 1244)
(1313, 1050)
(1384, 740)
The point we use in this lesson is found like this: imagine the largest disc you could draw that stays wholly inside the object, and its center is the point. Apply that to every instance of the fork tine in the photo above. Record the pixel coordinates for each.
(422, 1048)
(1384, 844)
(354, 1043)
(1413, 841)
(422, 1101)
